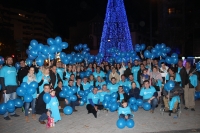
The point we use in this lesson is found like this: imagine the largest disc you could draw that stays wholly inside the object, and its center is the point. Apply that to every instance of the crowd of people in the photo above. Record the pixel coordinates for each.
(144, 78)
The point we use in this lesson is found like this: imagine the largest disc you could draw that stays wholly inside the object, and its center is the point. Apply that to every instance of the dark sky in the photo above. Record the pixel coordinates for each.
(65, 13)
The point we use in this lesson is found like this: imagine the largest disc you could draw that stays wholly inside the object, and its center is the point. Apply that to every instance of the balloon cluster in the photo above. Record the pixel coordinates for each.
(69, 93)
(117, 56)
(139, 48)
(173, 59)
(169, 85)
(81, 48)
(121, 123)
(198, 66)
(134, 104)
(10, 106)
(110, 101)
(27, 90)
(39, 52)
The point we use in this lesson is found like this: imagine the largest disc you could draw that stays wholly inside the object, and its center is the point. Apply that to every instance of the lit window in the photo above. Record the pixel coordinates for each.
(171, 10)
(21, 15)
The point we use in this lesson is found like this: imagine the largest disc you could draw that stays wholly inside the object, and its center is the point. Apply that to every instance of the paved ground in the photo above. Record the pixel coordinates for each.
(81, 122)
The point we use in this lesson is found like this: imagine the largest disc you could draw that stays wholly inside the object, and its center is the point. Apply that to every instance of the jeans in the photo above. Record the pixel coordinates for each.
(43, 117)
(123, 116)
(27, 105)
(154, 103)
(8, 97)
(73, 104)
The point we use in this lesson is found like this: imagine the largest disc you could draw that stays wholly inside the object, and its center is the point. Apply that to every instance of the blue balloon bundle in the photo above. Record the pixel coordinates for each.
(110, 102)
(121, 123)
(10, 106)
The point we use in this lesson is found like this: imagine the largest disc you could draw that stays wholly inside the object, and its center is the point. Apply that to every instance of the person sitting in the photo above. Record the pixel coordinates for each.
(41, 105)
(144, 76)
(134, 91)
(61, 100)
(114, 74)
(171, 100)
(93, 105)
(121, 94)
(124, 111)
(149, 95)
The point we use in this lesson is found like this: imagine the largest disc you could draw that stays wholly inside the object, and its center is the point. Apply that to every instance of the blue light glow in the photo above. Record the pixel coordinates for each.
(116, 31)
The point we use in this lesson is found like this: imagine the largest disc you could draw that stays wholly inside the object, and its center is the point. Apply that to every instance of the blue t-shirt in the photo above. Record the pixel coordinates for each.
(124, 111)
(86, 86)
(113, 87)
(94, 97)
(135, 70)
(60, 72)
(147, 93)
(123, 83)
(101, 74)
(100, 83)
(121, 95)
(9, 74)
(102, 94)
(46, 81)
(177, 77)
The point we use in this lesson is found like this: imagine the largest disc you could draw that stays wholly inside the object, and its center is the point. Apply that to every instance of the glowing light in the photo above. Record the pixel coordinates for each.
(116, 31)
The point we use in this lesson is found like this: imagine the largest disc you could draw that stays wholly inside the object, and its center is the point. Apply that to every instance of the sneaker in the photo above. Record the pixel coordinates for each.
(192, 109)
(75, 110)
(42, 122)
(174, 110)
(15, 115)
(7, 118)
(30, 108)
(151, 111)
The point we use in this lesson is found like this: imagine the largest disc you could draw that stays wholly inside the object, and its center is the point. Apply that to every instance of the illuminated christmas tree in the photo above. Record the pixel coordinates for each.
(116, 31)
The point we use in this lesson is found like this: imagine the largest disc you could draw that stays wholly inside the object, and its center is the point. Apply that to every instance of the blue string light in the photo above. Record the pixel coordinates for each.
(116, 31)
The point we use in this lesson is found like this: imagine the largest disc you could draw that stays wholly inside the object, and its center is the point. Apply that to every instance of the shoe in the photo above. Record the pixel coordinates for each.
(42, 122)
(152, 111)
(30, 108)
(75, 110)
(174, 110)
(192, 109)
(170, 112)
(15, 115)
(166, 109)
(186, 108)
(7, 118)
(26, 118)
(33, 116)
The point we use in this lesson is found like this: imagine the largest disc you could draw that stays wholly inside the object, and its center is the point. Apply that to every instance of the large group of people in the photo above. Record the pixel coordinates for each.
(144, 78)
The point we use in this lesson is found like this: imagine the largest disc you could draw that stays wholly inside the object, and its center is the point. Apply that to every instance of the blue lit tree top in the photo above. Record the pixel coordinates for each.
(116, 31)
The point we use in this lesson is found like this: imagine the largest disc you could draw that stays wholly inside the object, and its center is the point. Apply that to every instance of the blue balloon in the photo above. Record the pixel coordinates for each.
(33, 84)
(132, 100)
(130, 123)
(18, 103)
(39, 61)
(1, 60)
(29, 62)
(169, 85)
(64, 45)
(137, 48)
(107, 97)
(40, 47)
(33, 43)
(114, 95)
(21, 91)
(113, 107)
(46, 98)
(146, 106)
(81, 103)
(86, 92)
(157, 46)
(10, 104)
(73, 98)
(126, 89)
(70, 92)
(51, 56)
(174, 55)
(134, 107)
(62, 94)
(84, 99)
(139, 102)
(168, 49)
(11, 110)
(81, 93)
(33, 52)
(147, 54)
(113, 100)
(31, 57)
(3, 108)
(168, 60)
(76, 48)
(28, 98)
(68, 110)
(82, 75)
(31, 90)
(121, 123)
(53, 49)
(58, 40)
(74, 89)
(84, 46)
(105, 103)
(162, 46)
(45, 50)
(80, 46)
(50, 41)
(174, 61)
(17, 65)
(24, 85)
(142, 46)
(59, 49)
(65, 88)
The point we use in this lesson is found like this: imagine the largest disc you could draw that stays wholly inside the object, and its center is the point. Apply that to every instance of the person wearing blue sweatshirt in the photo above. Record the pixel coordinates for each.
(149, 95)
(98, 73)
(92, 80)
(85, 83)
(103, 92)
(8, 81)
(113, 86)
(93, 100)
(124, 111)
(135, 69)
(100, 82)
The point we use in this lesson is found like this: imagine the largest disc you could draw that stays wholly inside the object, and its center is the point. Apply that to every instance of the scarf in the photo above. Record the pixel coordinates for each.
(31, 78)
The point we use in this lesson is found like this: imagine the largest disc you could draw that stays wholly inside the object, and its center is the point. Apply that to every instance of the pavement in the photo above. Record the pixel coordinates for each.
(81, 122)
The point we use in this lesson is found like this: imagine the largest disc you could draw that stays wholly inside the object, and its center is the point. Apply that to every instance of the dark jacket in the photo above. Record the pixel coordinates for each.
(40, 104)
(177, 88)
(140, 72)
(187, 80)
(134, 93)
(127, 72)
(58, 90)
(183, 75)
(22, 72)
(53, 77)
(125, 96)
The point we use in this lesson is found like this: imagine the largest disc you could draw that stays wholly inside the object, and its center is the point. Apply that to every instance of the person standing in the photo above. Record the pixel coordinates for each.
(22, 72)
(189, 89)
(8, 80)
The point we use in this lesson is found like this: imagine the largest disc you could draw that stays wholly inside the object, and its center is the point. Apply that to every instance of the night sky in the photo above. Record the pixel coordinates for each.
(65, 13)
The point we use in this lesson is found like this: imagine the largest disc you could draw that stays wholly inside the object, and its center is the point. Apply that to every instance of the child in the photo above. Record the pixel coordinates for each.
(53, 105)
(125, 111)
(145, 76)
(50, 120)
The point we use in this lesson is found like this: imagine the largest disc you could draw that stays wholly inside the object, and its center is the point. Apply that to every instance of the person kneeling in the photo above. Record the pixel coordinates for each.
(125, 111)
(93, 102)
